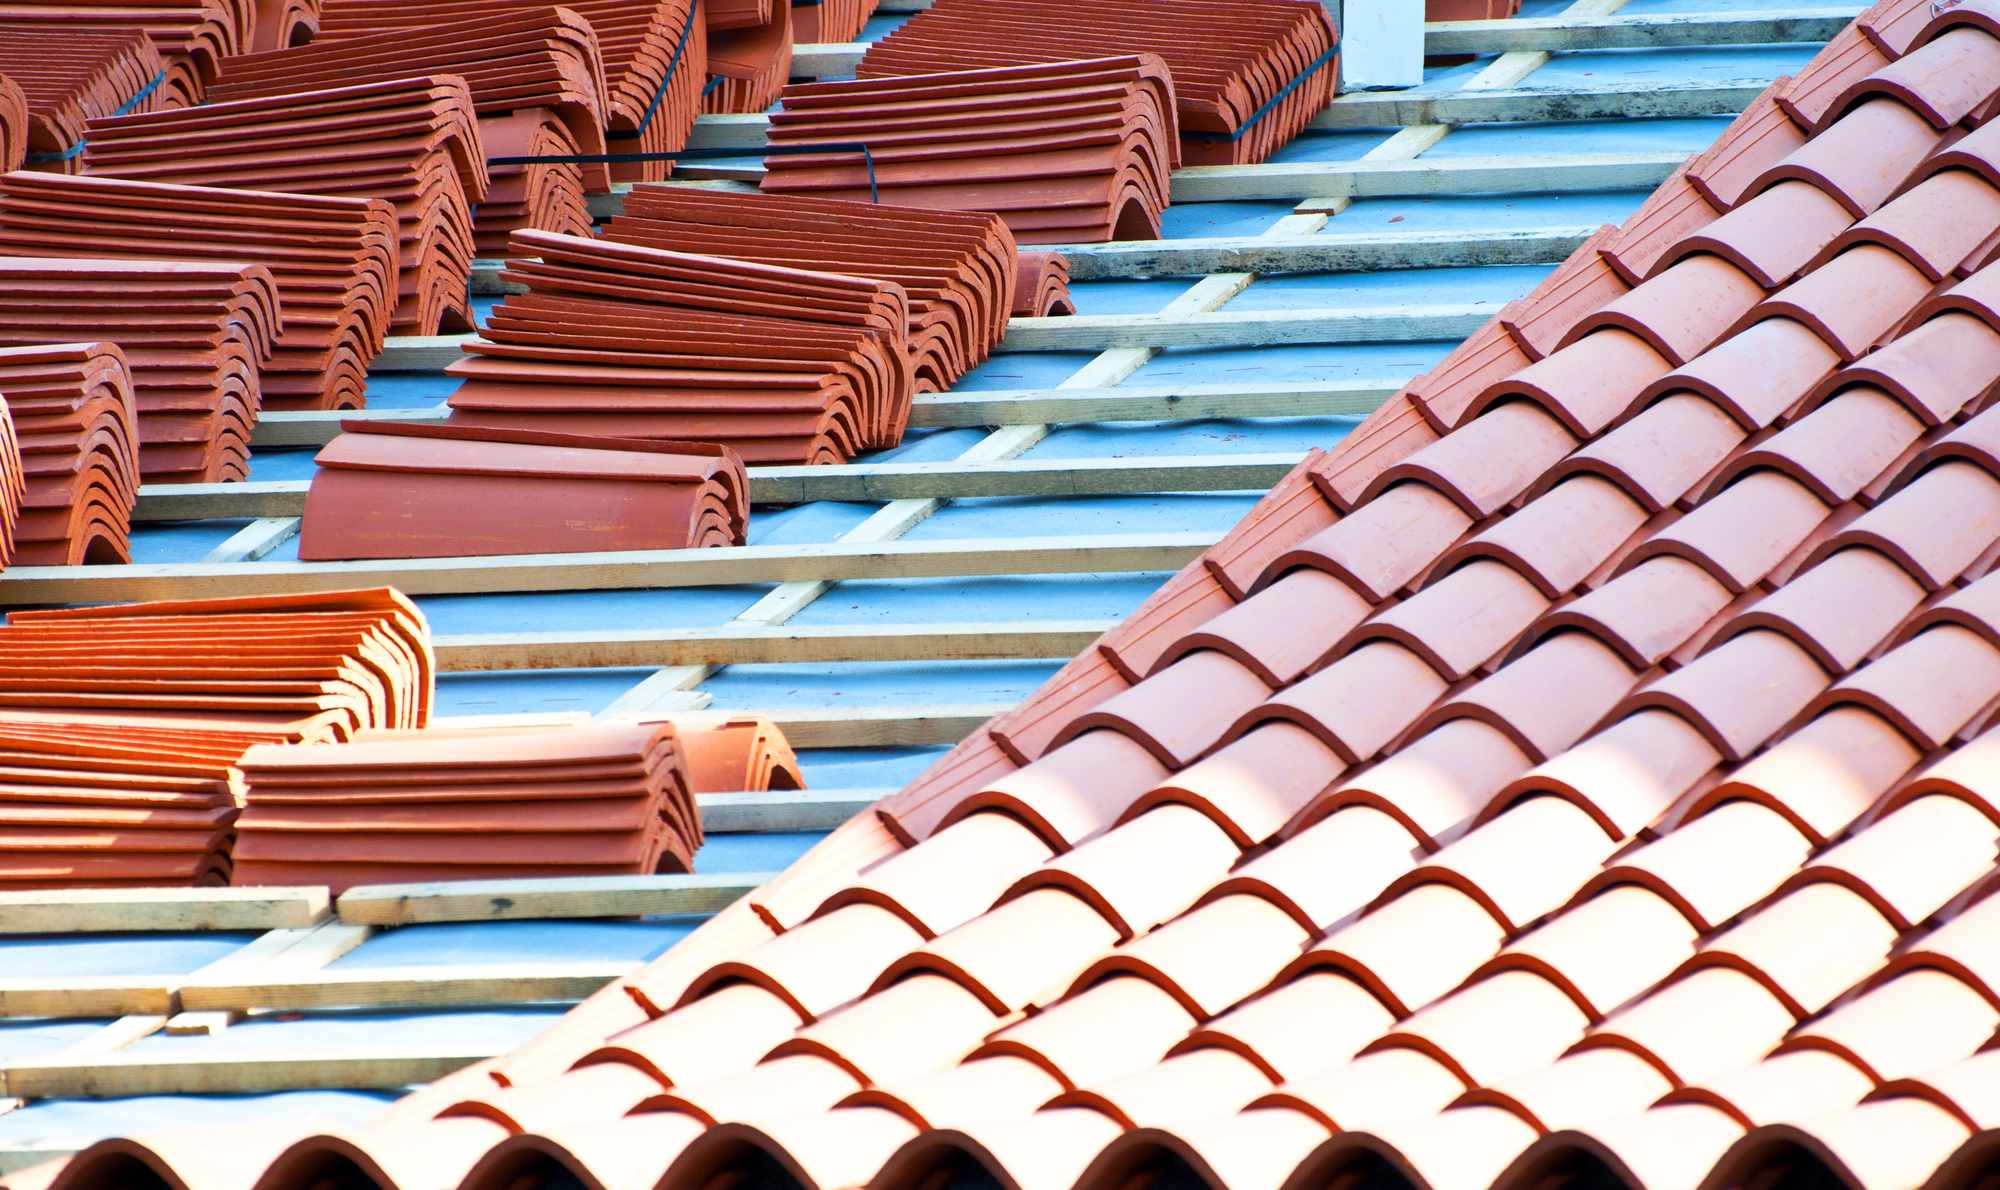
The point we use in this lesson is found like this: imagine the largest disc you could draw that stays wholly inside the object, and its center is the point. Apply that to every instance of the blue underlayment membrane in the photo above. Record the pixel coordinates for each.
(1018, 598)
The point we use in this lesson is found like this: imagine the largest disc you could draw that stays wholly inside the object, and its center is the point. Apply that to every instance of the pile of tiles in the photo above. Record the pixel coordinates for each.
(193, 36)
(955, 267)
(1041, 286)
(744, 753)
(1584, 774)
(120, 726)
(1065, 152)
(67, 76)
(655, 60)
(780, 365)
(194, 334)
(830, 20)
(749, 53)
(110, 805)
(401, 807)
(1248, 74)
(388, 491)
(77, 428)
(536, 79)
(13, 485)
(333, 261)
(413, 142)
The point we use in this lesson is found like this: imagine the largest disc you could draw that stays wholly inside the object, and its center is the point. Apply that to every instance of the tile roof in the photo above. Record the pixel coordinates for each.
(1581, 771)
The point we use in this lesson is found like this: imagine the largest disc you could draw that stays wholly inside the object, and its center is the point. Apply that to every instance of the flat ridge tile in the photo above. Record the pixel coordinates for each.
(1028, 731)
(1443, 393)
(922, 804)
(1346, 476)
(1673, 211)
(1194, 596)
(1850, 55)
(1294, 510)
(1578, 286)
(1758, 138)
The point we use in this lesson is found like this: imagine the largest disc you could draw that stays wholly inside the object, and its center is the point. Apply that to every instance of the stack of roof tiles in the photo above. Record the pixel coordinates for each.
(13, 485)
(333, 261)
(68, 76)
(655, 60)
(830, 20)
(1091, 166)
(193, 36)
(749, 53)
(106, 805)
(77, 427)
(413, 142)
(739, 753)
(195, 335)
(120, 726)
(955, 267)
(1041, 286)
(396, 807)
(537, 81)
(781, 365)
(451, 491)
(1585, 774)
(1247, 74)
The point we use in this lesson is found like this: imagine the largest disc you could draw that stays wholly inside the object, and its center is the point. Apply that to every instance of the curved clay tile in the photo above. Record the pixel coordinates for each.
(1862, 158)
(1360, 703)
(192, 36)
(1681, 311)
(389, 491)
(1603, 952)
(1660, 455)
(1937, 225)
(427, 142)
(1329, 870)
(1742, 533)
(1587, 384)
(1883, 1142)
(1211, 957)
(1561, 536)
(967, 306)
(1849, 57)
(1935, 370)
(1261, 1028)
(1113, 1026)
(1838, 611)
(1826, 299)
(1951, 71)
(951, 877)
(1246, 77)
(1435, 785)
(66, 76)
(1268, 632)
(1955, 840)
(1024, 948)
(1041, 286)
(1717, 696)
(1167, 714)
(1771, 236)
(1754, 375)
(1252, 785)
(1117, 872)
(1049, 187)
(655, 55)
(1908, 530)
(1295, 507)
(1026, 733)
(1384, 545)
(1624, 777)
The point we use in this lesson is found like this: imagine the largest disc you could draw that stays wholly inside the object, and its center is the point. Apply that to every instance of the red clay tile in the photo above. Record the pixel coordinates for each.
(1587, 384)
(1246, 78)
(1758, 138)
(385, 491)
(1681, 311)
